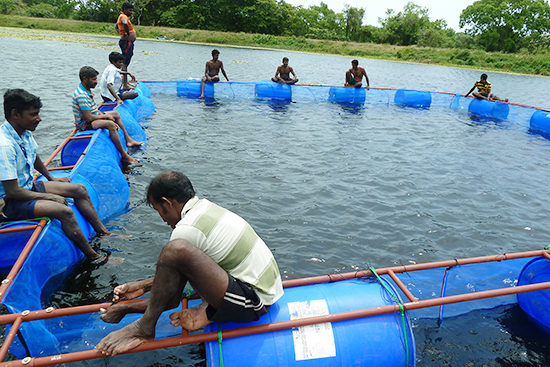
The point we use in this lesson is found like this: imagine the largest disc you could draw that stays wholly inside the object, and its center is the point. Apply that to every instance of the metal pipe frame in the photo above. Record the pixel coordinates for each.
(199, 338)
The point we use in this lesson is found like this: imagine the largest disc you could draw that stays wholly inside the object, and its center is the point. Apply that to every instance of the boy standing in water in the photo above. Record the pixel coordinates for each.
(127, 39)
(282, 75)
(212, 70)
(484, 90)
(354, 76)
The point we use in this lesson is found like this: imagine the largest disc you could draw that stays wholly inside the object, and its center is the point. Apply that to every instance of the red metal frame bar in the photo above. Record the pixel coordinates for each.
(198, 338)
(22, 256)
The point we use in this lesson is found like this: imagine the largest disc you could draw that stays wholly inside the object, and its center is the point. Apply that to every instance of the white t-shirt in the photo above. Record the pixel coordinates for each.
(231, 242)
(111, 75)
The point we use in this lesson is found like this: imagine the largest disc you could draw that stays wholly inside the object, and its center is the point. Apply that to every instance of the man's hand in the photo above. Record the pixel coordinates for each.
(61, 179)
(57, 198)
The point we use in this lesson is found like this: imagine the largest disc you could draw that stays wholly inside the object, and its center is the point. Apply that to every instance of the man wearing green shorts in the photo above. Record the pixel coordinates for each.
(354, 76)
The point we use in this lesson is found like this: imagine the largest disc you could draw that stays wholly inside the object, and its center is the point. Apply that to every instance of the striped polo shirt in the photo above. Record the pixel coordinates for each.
(482, 88)
(232, 243)
(83, 100)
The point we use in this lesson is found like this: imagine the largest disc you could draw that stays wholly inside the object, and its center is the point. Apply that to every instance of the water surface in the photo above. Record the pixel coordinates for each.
(330, 188)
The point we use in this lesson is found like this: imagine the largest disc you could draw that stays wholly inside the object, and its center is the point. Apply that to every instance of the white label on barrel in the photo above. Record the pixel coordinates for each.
(312, 341)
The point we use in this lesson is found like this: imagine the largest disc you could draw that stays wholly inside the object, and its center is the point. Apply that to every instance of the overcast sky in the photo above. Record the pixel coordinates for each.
(438, 9)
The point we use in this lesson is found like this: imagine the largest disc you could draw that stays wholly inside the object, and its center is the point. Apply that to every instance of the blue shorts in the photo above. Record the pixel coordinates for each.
(127, 48)
(16, 209)
(240, 304)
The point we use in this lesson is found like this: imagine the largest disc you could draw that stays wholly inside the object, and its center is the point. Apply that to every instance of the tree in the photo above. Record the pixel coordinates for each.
(403, 28)
(508, 25)
(354, 21)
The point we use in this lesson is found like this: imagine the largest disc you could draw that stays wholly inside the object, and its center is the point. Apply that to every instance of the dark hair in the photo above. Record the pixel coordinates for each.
(127, 5)
(19, 100)
(354, 61)
(215, 52)
(285, 59)
(484, 76)
(171, 185)
(115, 56)
(87, 72)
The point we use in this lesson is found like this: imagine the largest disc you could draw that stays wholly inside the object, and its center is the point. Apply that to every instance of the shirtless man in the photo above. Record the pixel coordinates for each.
(484, 90)
(282, 75)
(354, 76)
(213, 249)
(127, 39)
(212, 70)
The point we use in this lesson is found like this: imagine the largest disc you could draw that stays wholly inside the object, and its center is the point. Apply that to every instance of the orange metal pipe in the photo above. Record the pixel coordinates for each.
(282, 325)
(402, 286)
(61, 168)
(407, 268)
(57, 150)
(22, 257)
(9, 338)
(18, 229)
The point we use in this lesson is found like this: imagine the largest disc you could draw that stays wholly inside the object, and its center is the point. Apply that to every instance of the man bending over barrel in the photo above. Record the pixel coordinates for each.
(217, 251)
(20, 197)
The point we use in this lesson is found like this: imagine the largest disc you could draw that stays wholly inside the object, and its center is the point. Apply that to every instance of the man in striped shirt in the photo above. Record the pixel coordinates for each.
(484, 90)
(217, 251)
(87, 115)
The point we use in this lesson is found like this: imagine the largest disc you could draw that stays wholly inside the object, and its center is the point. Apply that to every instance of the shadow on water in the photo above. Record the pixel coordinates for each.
(351, 108)
(475, 338)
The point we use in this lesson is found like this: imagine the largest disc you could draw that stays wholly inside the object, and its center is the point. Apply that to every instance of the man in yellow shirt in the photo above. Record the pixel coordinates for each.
(484, 90)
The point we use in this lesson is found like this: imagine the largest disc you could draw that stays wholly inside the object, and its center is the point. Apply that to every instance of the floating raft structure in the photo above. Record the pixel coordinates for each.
(315, 323)
(36, 252)
(534, 119)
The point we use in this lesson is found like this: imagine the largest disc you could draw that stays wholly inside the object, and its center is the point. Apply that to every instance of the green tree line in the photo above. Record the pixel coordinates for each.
(492, 25)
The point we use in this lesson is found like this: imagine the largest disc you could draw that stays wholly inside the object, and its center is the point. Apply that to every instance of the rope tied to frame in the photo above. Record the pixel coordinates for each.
(220, 339)
(401, 311)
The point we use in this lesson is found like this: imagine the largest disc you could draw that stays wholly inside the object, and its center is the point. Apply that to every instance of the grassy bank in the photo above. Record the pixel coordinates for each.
(521, 63)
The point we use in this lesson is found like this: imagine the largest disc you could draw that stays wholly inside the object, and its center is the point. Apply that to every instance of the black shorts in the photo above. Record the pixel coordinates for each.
(127, 48)
(240, 304)
(17, 210)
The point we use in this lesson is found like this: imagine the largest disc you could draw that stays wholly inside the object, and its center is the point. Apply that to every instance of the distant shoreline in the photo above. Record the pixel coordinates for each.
(523, 64)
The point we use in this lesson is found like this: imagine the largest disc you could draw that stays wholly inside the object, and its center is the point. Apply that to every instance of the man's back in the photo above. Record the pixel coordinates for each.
(232, 243)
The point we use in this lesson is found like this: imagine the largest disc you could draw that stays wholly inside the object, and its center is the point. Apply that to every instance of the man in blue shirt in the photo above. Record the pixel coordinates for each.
(20, 197)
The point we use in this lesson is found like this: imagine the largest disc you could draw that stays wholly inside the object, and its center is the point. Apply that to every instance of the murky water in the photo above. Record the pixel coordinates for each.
(328, 187)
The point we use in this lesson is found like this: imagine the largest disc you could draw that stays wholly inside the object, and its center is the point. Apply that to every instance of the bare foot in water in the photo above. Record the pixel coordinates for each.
(108, 260)
(191, 319)
(123, 340)
(113, 314)
(129, 159)
(132, 143)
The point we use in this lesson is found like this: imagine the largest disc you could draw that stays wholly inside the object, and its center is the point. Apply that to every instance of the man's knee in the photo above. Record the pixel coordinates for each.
(177, 251)
(80, 191)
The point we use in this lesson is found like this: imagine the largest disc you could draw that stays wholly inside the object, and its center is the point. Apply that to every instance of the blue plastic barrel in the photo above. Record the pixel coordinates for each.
(71, 152)
(347, 94)
(193, 88)
(413, 98)
(486, 108)
(371, 341)
(540, 121)
(271, 90)
(536, 304)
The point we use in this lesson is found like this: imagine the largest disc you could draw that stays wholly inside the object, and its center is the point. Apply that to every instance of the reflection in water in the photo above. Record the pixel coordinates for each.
(353, 108)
